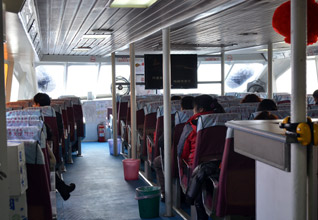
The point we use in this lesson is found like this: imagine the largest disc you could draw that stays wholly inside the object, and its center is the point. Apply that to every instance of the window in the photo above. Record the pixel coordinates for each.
(81, 79)
(105, 80)
(241, 74)
(210, 72)
(283, 82)
(14, 89)
(50, 79)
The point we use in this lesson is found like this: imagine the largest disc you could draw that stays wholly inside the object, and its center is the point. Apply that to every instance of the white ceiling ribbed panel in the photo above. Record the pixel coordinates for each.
(247, 23)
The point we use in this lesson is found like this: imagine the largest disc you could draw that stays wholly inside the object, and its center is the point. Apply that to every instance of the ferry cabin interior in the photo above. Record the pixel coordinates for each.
(76, 50)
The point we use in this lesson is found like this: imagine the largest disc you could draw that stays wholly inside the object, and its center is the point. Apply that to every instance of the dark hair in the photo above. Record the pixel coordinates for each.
(42, 99)
(250, 98)
(267, 105)
(315, 94)
(207, 103)
(187, 102)
(265, 115)
(175, 97)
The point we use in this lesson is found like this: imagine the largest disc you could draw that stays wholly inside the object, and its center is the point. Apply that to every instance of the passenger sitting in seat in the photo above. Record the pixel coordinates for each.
(267, 105)
(202, 105)
(42, 99)
(186, 104)
(251, 98)
(315, 95)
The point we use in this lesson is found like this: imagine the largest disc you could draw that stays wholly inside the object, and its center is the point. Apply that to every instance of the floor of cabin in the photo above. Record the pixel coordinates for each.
(101, 191)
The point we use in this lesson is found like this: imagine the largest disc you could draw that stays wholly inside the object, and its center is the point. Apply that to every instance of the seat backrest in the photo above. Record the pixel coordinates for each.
(182, 116)
(22, 103)
(253, 104)
(279, 97)
(281, 114)
(310, 99)
(211, 133)
(244, 111)
(236, 195)
(313, 113)
(33, 112)
(174, 107)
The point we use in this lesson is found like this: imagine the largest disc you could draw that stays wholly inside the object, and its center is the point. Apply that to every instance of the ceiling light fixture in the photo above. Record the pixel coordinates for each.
(82, 49)
(95, 36)
(131, 3)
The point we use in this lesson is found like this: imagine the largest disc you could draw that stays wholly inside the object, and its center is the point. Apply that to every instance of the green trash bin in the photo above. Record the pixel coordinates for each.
(148, 201)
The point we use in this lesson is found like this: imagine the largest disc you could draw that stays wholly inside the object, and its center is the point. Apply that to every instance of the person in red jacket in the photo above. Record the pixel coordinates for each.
(202, 105)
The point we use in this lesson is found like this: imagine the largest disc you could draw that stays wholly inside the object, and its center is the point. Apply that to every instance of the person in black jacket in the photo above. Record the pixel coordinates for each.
(42, 99)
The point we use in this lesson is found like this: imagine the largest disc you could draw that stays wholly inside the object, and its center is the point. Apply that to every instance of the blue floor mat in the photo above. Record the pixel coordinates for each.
(101, 191)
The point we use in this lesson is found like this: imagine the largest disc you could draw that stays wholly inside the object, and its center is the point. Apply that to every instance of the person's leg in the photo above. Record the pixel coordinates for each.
(63, 189)
(201, 214)
(160, 177)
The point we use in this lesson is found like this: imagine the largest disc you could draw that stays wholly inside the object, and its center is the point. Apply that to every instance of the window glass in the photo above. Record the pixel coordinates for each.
(312, 83)
(211, 72)
(81, 79)
(50, 79)
(15, 89)
(283, 82)
(241, 74)
(104, 80)
(123, 71)
(208, 88)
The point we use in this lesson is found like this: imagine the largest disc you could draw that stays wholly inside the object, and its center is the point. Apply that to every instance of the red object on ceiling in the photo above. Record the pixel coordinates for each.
(281, 21)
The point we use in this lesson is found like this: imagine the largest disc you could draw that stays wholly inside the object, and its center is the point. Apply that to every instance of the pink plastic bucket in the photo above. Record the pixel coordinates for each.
(131, 169)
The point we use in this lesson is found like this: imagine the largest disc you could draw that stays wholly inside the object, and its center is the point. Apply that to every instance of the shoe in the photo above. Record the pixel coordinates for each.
(65, 195)
(71, 187)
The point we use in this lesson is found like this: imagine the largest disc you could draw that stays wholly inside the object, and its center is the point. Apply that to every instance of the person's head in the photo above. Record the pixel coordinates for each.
(265, 115)
(250, 98)
(315, 95)
(267, 105)
(41, 99)
(175, 97)
(187, 103)
(204, 103)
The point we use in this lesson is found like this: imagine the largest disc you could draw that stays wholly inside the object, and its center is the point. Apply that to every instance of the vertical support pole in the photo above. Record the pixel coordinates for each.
(298, 105)
(4, 185)
(270, 71)
(65, 77)
(133, 117)
(114, 104)
(167, 117)
(222, 71)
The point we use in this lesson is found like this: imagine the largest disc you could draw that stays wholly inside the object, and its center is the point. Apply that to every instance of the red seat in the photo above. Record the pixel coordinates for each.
(181, 117)
(211, 133)
(235, 191)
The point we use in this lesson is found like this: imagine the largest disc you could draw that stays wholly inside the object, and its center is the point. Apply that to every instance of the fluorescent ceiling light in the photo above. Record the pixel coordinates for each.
(82, 49)
(131, 3)
(96, 36)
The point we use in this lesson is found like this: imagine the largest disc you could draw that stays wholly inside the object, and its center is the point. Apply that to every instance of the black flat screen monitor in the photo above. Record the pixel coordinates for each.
(183, 71)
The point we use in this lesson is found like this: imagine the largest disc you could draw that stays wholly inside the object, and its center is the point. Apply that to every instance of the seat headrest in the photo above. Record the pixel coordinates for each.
(216, 119)
(174, 108)
(183, 116)
(34, 112)
(47, 111)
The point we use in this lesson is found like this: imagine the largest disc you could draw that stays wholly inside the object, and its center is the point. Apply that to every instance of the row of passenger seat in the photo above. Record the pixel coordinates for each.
(211, 127)
(27, 125)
